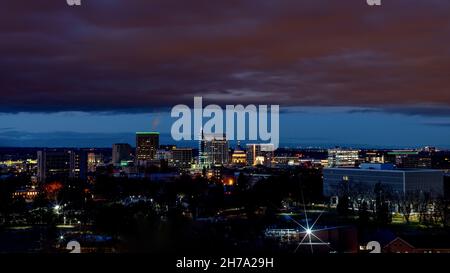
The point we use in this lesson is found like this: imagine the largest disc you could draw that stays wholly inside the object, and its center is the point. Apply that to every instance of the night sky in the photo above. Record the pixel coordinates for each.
(342, 72)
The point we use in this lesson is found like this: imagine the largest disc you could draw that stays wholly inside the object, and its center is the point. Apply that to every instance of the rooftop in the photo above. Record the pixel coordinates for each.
(386, 170)
(147, 133)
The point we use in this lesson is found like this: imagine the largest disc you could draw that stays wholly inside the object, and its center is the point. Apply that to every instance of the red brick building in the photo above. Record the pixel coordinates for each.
(398, 245)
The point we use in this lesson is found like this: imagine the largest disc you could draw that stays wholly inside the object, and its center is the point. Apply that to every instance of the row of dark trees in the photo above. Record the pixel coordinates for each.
(380, 201)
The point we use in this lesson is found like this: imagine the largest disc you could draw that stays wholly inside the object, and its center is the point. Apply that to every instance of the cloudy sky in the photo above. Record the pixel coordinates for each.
(341, 71)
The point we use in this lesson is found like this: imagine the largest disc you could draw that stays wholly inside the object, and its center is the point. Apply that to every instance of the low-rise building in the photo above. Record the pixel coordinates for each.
(397, 180)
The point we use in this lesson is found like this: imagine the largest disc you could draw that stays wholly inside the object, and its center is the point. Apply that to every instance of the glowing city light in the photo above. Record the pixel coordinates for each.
(310, 238)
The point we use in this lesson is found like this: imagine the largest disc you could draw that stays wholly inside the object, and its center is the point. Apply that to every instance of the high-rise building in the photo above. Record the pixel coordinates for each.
(343, 157)
(121, 152)
(61, 164)
(146, 145)
(213, 150)
(78, 164)
(260, 154)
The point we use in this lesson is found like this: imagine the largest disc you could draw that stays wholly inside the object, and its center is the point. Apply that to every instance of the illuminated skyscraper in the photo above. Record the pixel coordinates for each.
(213, 150)
(146, 145)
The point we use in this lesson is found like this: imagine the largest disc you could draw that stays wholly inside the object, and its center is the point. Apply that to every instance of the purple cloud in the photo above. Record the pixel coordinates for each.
(139, 55)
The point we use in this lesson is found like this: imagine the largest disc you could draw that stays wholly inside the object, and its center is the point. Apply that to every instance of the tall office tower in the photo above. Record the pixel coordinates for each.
(182, 157)
(61, 164)
(213, 150)
(201, 151)
(146, 145)
(120, 152)
(78, 164)
(342, 157)
(260, 154)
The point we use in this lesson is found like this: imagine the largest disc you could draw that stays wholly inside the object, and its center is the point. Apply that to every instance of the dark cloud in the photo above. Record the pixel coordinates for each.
(138, 55)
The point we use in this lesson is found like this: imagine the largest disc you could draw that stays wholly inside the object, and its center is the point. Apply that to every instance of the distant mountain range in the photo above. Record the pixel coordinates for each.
(99, 140)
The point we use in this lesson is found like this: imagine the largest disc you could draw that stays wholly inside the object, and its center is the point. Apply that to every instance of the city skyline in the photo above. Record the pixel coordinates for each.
(224, 135)
(312, 127)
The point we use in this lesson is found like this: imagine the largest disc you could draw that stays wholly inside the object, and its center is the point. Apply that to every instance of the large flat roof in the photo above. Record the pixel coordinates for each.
(394, 170)
(147, 133)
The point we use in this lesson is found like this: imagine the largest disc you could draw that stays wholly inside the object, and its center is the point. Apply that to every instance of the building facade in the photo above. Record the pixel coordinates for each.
(94, 160)
(121, 152)
(213, 150)
(182, 157)
(239, 158)
(147, 143)
(260, 154)
(61, 164)
(401, 181)
(342, 157)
